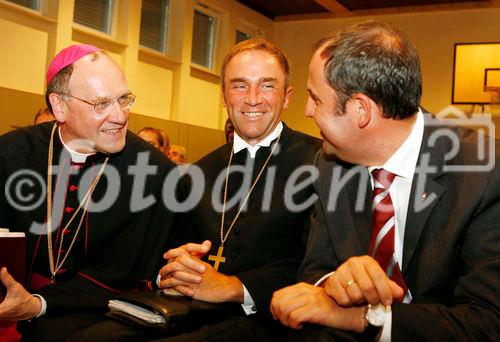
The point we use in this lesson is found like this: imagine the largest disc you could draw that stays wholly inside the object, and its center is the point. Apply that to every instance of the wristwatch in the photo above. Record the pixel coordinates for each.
(375, 315)
(374, 320)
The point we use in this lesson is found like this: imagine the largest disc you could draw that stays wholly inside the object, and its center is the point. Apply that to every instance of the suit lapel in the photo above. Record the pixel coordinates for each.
(360, 190)
(421, 204)
(352, 226)
(348, 215)
(425, 192)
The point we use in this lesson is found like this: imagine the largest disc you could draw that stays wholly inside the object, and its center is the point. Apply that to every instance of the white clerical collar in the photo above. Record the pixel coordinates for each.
(404, 161)
(240, 144)
(76, 157)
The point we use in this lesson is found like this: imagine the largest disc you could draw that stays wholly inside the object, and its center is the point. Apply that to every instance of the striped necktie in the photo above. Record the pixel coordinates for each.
(383, 229)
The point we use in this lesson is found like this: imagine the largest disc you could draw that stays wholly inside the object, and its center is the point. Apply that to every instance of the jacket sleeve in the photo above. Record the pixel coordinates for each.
(320, 258)
(474, 312)
(262, 282)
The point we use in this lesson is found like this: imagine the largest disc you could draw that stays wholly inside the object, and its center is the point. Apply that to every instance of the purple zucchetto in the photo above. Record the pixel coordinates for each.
(68, 56)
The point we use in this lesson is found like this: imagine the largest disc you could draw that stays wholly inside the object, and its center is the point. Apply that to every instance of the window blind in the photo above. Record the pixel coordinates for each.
(96, 14)
(204, 28)
(154, 24)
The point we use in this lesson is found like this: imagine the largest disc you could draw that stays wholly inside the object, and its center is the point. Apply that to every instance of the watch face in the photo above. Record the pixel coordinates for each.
(375, 315)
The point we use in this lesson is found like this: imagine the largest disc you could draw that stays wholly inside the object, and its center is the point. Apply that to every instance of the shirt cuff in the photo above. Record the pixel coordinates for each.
(323, 278)
(248, 303)
(44, 306)
(158, 279)
(385, 336)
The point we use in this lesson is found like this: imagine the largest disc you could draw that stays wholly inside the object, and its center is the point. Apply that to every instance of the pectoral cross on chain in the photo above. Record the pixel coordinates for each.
(217, 259)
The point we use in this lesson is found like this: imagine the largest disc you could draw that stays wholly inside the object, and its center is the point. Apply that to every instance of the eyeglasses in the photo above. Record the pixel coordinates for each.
(101, 106)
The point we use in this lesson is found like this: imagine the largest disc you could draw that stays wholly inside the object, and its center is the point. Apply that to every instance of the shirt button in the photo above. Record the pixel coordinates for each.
(73, 188)
(68, 209)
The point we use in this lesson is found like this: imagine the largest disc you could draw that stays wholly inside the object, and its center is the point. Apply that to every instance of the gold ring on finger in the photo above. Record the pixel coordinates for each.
(349, 283)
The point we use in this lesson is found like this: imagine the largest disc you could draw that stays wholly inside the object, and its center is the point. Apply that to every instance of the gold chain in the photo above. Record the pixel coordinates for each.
(85, 202)
(223, 237)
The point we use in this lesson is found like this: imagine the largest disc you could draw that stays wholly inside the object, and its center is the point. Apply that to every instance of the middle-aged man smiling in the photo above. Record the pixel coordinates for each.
(419, 260)
(255, 246)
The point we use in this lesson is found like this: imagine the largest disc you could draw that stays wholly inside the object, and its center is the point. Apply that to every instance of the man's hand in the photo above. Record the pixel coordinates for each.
(184, 265)
(305, 303)
(359, 280)
(190, 276)
(18, 304)
(214, 287)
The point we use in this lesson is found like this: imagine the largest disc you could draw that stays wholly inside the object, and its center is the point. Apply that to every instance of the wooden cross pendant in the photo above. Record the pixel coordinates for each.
(217, 259)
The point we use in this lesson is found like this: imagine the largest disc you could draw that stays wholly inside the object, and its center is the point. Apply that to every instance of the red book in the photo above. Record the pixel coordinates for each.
(12, 256)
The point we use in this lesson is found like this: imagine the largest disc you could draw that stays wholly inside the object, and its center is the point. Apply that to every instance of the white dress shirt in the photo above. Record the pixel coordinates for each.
(240, 144)
(402, 163)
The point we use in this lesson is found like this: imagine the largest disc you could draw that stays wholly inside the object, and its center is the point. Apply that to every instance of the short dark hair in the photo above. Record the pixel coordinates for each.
(59, 84)
(375, 59)
(159, 137)
(258, 44)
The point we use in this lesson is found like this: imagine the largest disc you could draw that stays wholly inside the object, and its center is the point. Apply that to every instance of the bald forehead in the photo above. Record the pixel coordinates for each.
(98, 75)
(97, 65)
(96, 59)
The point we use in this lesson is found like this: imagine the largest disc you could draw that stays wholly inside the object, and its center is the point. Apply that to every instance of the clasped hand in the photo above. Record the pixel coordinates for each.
(337, 303)
(18, 304)
(361, 280)
(186, 273)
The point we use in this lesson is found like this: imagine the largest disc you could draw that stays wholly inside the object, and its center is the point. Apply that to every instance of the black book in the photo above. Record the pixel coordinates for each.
(157, 310)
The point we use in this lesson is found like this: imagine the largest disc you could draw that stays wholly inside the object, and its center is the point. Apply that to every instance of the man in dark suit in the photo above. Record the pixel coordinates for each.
(256, 245)
(420, 258)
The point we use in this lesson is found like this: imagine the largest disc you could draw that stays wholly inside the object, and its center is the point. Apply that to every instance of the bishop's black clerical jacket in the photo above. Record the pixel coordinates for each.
(120, 242)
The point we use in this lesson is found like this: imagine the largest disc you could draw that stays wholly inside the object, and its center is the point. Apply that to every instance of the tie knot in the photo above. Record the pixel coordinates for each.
(384, 177)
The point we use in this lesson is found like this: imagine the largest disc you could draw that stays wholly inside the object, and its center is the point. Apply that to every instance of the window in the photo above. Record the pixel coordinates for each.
(96, 14)
(205, 29)
(241, 36)
(246, 30)
(154, 24)
(33, 4)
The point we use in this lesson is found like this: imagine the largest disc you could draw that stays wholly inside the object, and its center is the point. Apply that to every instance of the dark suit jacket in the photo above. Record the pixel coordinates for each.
(265, 246)
(451, 252)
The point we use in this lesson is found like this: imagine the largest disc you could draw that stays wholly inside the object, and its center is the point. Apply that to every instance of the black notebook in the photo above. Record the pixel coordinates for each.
(156, 310)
